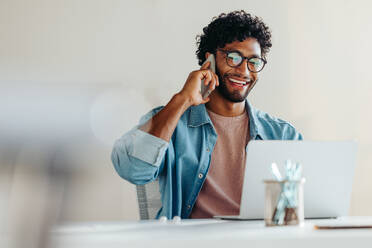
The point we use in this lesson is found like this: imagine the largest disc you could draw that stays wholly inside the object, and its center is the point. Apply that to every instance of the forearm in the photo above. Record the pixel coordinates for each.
(162, 124)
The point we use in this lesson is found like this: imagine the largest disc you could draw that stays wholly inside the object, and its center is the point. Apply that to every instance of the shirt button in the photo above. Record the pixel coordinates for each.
(200, 176)
(207, 149)
(189, 206)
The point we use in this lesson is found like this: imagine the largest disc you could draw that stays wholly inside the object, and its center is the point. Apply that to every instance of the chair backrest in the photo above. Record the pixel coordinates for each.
(149, 200)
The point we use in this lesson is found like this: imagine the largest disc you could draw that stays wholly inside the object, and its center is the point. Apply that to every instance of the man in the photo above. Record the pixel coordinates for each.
(196, 147)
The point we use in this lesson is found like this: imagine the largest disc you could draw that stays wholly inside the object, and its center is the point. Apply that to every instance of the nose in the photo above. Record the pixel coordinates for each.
(243, 69)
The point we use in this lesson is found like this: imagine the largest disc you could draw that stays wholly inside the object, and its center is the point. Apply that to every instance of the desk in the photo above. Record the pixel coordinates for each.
(207, 233)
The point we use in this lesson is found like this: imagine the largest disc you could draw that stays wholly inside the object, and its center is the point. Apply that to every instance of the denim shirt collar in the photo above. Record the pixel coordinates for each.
(198, 116)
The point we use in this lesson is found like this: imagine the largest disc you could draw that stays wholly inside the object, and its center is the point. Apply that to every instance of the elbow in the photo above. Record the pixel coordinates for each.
(133, 170)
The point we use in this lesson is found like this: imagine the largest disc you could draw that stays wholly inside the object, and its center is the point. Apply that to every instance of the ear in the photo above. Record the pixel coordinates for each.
(207, 55)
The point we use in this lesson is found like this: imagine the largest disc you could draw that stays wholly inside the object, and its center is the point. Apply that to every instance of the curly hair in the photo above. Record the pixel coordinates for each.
(227, 28)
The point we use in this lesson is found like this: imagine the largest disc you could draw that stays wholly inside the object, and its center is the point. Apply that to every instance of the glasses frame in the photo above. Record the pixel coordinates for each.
(243, 58)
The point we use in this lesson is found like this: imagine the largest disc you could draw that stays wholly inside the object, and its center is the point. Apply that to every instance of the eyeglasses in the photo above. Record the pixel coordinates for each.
(235, 59)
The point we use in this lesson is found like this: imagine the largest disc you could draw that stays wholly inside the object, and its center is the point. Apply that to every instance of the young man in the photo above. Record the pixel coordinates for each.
(196, 147)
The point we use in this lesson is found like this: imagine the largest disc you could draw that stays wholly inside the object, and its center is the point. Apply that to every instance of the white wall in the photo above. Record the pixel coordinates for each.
(79, 73)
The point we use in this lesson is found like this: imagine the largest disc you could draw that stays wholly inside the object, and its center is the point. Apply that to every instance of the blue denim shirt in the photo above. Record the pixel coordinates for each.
(182, 164)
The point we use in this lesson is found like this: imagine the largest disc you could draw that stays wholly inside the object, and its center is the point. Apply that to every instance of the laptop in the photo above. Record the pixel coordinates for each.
(328, 168)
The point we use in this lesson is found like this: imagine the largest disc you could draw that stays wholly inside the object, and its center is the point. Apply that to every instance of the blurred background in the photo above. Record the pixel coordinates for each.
(77, 74)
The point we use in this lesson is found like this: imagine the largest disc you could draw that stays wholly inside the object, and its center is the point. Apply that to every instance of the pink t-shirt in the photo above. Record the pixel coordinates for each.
(222, 189)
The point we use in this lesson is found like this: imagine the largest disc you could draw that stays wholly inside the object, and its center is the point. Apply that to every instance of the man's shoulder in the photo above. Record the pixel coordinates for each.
(273, 127)
(150, 114)
(155, 110)
(265, 117)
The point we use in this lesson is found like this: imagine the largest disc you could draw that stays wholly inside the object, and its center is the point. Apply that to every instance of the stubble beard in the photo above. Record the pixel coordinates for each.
(235, 96)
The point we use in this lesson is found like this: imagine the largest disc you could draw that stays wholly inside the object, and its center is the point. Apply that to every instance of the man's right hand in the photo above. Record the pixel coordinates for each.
(191, 90)
(162, 124)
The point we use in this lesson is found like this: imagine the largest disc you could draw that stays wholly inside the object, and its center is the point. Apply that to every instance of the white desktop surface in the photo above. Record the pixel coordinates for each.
(208, 233)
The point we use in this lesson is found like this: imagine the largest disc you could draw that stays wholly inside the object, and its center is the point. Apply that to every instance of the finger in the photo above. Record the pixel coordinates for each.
(205, 100)
(212, 85)
(217, 80)
(206, 76)
(215, 84)
(205, 65)
(210, 79)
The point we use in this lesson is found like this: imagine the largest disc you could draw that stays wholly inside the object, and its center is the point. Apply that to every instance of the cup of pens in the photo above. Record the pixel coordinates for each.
(284, 197)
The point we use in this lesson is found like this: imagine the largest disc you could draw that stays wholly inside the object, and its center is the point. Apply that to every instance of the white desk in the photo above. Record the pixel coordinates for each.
(207, 233)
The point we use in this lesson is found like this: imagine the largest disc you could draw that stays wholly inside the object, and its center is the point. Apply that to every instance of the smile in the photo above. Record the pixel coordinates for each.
(238, 83)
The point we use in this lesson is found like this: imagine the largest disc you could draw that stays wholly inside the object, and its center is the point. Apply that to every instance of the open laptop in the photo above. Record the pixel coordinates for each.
(327, 166)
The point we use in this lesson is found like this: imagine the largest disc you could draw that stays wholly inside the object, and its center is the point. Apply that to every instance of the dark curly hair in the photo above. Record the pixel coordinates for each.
(227, 28)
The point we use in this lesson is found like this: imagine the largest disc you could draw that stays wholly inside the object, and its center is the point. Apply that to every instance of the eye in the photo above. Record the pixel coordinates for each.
(255, 62)
(234, 58)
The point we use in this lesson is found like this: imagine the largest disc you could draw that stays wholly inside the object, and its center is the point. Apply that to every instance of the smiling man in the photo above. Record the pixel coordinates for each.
(196, 147)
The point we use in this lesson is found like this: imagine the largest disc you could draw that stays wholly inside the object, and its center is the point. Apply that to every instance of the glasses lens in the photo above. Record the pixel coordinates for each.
(234, 59)
(255, 64)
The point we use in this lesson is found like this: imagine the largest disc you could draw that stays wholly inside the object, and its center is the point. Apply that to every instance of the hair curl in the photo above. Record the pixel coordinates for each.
(234, 26)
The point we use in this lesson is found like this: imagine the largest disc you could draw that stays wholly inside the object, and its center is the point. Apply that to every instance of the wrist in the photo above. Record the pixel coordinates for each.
(183, 100)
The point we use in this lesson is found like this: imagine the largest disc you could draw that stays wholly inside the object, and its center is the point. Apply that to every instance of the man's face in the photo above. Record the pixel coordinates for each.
(230, 90)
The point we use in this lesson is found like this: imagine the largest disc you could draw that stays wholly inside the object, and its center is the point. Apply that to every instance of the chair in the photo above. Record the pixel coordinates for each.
(149, 200)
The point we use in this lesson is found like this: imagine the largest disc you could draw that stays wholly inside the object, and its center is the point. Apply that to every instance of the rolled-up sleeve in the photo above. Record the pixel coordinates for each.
(137, 155)
(147, 147)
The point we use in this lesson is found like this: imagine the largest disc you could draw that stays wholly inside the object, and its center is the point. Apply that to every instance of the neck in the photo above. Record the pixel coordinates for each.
(219, 105)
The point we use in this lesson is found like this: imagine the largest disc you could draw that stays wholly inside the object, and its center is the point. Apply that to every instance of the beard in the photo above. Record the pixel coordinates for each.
(234, 96)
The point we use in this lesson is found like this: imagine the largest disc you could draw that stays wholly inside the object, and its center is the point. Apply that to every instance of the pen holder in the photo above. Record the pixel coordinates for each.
(284, 202)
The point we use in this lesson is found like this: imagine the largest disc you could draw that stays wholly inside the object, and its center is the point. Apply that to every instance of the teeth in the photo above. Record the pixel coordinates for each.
(237, 81)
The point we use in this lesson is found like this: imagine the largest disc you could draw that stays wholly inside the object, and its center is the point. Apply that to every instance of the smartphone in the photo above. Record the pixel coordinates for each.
(205, 88)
